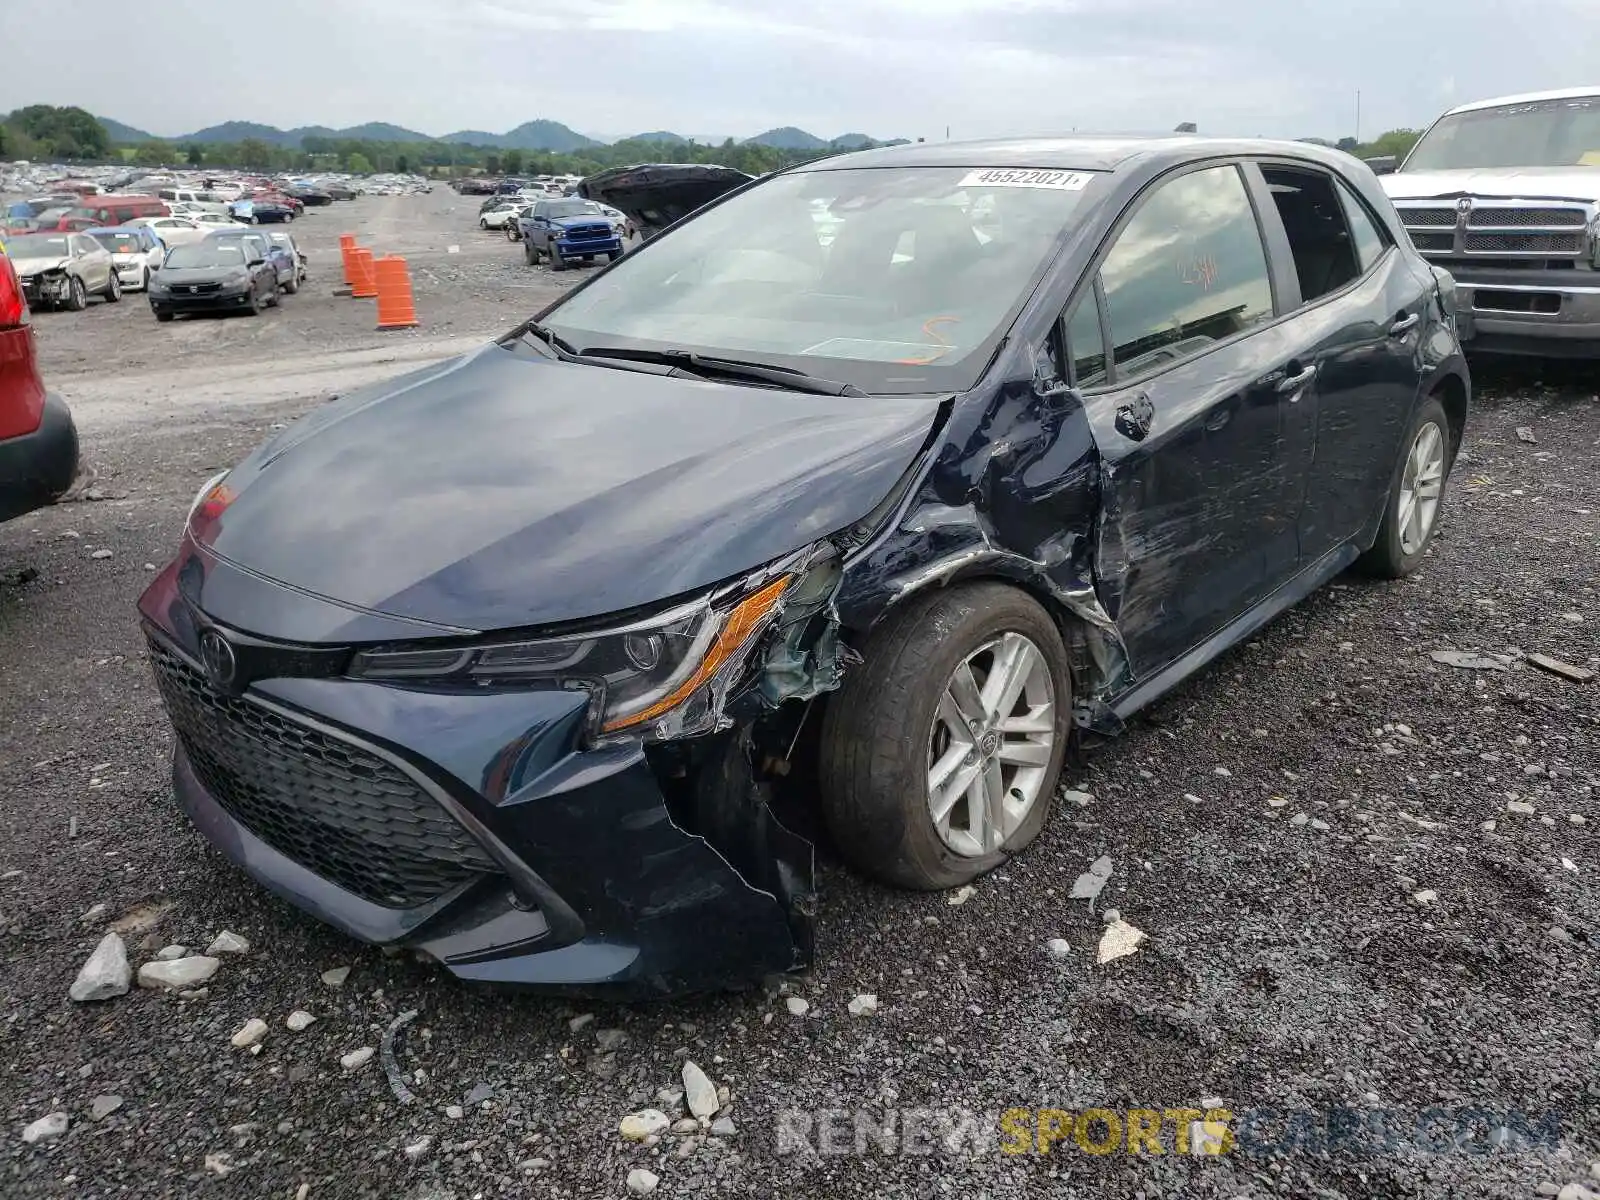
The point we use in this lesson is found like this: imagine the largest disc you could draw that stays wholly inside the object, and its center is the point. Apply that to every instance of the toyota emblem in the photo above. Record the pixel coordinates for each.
(218, 656)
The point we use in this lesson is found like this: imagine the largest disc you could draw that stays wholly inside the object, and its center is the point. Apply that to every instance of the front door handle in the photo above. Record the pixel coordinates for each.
(1294, 384)
(1404, 325)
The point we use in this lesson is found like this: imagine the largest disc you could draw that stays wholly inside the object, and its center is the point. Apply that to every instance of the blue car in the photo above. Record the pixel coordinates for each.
(565, 230)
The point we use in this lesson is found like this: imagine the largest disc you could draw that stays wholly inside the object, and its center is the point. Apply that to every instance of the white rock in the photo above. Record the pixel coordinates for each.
(1575, 1191)
(579, 1021)
(723, 1127)
(1089, 885)
(961, 895)
(105, 973)
(1300, 819)
(228, 943)
(454, 1111)
(299, 1019)
(51, 1125)
(99, 910)
(1060, 949)
(1081, 799)
(1277, 802)
(671, 1097)
(219, 1164)
(1521, 807)
(172, 953)
(863, 1005)
(251, 1034)
(104, 1106)
(180, 973)
(418, 1149)
(1426, 896)
(336, 977)
(357, 1059)
(686, 1126)
(1223, 773)
(1577, 818)
(642, 1182)
(648, 1122)
(796, 1005)
(698, 1091)
(101, 554)
(1118, 941)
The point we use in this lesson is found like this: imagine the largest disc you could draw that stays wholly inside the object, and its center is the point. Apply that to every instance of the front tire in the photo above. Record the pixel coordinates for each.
(557, 262)
(293, 286)
(113, 291)
(77, 295)
(1416, 493)
(164, 316)
(940, 755)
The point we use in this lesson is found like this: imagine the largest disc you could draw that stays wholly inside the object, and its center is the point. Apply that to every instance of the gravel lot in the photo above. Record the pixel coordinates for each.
(1367, 878)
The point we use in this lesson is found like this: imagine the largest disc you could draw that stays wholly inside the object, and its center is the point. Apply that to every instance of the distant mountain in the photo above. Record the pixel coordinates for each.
(852, 141)
(472, 137)
(789, 138)
(238, 131)
(375, 131)
(124, 134)
(655, 135)
(546, 135)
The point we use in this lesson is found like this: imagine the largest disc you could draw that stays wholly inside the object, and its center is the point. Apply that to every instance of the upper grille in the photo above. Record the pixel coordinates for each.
(1428, 216)
(1503, 218)
(332, 806)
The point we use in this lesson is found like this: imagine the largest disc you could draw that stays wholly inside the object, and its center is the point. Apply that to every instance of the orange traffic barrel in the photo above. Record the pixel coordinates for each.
(363, 285)
(394, 293)
(347, 243)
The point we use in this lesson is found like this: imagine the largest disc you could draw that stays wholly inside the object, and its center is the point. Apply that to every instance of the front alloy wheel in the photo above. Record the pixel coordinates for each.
(940, 753)
(993, 739)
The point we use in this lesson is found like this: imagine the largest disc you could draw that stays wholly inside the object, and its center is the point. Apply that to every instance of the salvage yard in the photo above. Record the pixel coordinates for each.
(1366, 876)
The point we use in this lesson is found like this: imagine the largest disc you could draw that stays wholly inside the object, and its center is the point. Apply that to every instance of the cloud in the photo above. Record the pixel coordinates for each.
(735, 67)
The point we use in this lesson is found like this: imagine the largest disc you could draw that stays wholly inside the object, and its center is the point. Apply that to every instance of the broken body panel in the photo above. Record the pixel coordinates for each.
(664, 869)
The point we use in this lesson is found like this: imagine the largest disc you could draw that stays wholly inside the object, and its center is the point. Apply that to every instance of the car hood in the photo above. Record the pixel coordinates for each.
(503, 489)
(587, 219)
(173, 276)
(654, 195)
(1523, 183)
(32, 266)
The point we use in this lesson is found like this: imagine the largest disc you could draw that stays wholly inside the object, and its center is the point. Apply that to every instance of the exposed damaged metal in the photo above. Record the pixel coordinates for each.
(846, 504)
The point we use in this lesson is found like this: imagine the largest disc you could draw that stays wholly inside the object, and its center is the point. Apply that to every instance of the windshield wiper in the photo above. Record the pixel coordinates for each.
(562, 348)
(711, 366)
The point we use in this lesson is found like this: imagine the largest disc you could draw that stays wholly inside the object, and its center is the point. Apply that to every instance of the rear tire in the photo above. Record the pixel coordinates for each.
(1416, 494)
(613, 255)
(881, 737)
(113, 291)
(530, 254)
(293, 285)
(275, 297)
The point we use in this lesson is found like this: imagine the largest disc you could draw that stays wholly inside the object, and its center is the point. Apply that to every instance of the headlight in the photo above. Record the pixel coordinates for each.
(658, 677)
(212, 485)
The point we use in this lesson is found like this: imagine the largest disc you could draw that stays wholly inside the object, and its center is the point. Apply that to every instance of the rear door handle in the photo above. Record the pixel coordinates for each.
(1404, 325)
(1297, 383)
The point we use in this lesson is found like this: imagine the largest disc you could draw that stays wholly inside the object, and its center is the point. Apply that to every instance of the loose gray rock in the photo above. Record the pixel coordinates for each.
(94, 914)
(418, 1150)
(103, 1106)
(479, 1094)
(1092, 882)
(105, 974)
(182, 973)
(46, 1128)
(299, 1019)
(172, 953)
(228, 943)
(642, 1182)
(685, 1126)
(699, 1092)
(101, 554)
(1060, 949)
(649, 1122)
(454, 1111)
(336, 977)
(579, 1021)
(251, 1034)
(607, 1040)
(796, 1005)
(357, 1059)
(863, 1005)
(723, 1127)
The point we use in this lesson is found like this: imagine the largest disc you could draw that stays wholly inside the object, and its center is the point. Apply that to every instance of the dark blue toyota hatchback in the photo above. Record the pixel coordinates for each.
(865, 487)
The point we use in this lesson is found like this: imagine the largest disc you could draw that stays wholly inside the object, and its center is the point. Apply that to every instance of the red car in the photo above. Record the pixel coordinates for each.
(38, 441)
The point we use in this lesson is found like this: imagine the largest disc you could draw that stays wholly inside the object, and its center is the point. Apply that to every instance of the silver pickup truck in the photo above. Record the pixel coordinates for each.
(1505, 195)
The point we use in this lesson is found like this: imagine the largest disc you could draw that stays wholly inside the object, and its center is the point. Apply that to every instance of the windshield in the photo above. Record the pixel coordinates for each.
(573, 208)
(206, 254)
(37, 245)
(124, 243)
(894, 280)
(1544, 133)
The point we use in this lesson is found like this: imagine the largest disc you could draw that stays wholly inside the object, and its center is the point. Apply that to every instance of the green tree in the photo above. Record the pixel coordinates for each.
(153, 154)
(402, 164)
(62, 132)
(491, 164)
(512, 162)
(358, 164)
(255, 153)
(194, 156)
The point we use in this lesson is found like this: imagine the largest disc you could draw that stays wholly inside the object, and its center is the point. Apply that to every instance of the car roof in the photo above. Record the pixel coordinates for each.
(1575, 93)
(124, 230)
(1112, 152)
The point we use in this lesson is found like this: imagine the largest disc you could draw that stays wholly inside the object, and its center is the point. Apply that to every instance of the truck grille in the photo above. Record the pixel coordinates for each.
(1536, 237)
(332, 806)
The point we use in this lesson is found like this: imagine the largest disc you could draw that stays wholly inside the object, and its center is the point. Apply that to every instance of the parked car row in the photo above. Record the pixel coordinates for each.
(564, 230)
(237, 270)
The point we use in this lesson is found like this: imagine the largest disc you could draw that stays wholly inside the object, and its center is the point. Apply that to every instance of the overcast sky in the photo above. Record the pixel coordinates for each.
(736, 67)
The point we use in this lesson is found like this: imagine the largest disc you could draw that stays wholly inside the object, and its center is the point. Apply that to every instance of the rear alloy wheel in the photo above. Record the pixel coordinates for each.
(113, 291)
(941, 753)
(1412, 515)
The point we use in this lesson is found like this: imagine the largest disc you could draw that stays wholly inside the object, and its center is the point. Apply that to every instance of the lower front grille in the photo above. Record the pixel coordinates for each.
(334, 807)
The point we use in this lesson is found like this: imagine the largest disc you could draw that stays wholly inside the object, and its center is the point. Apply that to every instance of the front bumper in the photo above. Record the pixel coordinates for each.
(577, 247)
(46, 288)
(131, 274)
(1547, 313)
(37, 467)
(472, 827)
(174, 302)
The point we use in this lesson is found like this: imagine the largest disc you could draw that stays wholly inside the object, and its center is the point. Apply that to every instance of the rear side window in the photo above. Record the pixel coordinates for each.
(1325, 257)
(1188, 270)
(1370, 244)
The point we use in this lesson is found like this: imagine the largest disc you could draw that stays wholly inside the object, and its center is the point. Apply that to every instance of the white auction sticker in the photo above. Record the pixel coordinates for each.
(1061, 181)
